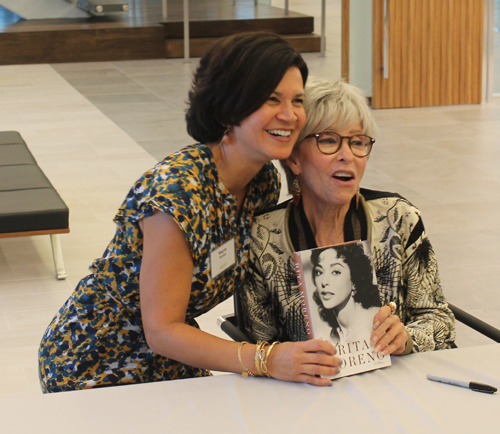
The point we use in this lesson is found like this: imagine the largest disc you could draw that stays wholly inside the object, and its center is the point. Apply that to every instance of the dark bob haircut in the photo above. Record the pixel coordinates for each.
(235, 77)
(361, 277)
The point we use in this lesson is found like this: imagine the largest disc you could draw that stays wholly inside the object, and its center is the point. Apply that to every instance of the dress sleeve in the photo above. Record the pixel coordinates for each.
(173, 190)
(428, 318)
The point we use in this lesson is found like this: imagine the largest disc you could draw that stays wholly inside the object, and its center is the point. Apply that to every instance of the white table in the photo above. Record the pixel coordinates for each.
(398, 399)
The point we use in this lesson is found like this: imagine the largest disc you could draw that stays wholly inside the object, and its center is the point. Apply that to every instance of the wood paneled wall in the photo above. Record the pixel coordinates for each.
(345, 40)
(435, 53)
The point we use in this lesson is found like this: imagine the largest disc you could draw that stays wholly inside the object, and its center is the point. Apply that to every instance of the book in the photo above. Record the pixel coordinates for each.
(339, 294)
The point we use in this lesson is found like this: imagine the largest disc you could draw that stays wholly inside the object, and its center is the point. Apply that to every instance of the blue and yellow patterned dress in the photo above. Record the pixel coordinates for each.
(96, 338)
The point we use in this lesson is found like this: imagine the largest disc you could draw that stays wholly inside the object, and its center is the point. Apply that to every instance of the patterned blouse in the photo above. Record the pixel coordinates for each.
(403, 259)
(96, 339)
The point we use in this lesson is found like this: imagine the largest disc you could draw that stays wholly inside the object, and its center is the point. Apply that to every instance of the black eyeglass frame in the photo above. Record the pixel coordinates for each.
(316, 136)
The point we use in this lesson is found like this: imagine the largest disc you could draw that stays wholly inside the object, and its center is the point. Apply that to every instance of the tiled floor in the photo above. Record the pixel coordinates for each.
(94, 128)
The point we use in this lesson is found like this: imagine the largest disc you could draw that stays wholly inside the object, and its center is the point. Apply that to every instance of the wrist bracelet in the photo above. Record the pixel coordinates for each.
(264, 362)
(259, 357)
(245, 372)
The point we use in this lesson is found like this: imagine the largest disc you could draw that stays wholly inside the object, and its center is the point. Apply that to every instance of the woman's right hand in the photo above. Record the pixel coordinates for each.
(304, 362)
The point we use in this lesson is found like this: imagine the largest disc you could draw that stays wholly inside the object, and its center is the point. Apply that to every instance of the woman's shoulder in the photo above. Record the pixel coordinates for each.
(175, 184)
(189, 160)
(394, 219)
(385, 197)
(388, 203)
(187, 167)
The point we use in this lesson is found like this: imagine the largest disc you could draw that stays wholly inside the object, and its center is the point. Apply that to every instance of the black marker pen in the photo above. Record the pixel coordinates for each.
(477, 387)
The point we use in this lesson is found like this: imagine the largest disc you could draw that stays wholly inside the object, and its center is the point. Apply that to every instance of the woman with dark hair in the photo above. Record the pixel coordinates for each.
(345, 293)
(183, 233)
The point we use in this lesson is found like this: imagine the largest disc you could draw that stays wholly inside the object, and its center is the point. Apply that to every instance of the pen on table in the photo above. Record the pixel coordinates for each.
(477, 387)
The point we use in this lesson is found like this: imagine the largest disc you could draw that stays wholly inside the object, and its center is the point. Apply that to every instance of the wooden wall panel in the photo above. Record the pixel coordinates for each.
(396, 45)
(435, 53)
(435, 57)
(414, 53)
(344, 56)
(378, 96)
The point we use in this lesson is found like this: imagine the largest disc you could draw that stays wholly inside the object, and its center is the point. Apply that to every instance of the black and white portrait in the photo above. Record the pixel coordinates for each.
(342, 292)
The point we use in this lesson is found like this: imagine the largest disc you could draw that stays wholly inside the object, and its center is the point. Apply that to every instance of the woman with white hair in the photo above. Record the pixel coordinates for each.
(324, 172)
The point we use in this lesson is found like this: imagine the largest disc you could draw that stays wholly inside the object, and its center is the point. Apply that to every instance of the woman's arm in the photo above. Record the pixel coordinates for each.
(428, 319)
(412, 281)
(165, 286)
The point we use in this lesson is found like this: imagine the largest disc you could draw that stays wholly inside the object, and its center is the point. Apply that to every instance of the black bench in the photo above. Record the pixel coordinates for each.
(29, 204)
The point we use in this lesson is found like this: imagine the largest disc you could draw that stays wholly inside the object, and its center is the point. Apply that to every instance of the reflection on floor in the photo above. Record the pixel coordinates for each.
(95, 127)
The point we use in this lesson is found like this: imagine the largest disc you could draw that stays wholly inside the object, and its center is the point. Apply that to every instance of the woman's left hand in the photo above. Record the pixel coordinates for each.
(389, 334)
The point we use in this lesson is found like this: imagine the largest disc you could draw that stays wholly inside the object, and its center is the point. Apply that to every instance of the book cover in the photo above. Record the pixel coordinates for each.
(339, 294)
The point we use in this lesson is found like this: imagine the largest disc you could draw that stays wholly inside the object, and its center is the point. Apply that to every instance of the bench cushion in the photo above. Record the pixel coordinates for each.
(32, 210)
(10, 137)
(15, 154)
(28, 201)
(22, 178)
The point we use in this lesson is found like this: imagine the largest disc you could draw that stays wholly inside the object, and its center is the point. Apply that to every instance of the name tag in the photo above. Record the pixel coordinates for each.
(222, 258)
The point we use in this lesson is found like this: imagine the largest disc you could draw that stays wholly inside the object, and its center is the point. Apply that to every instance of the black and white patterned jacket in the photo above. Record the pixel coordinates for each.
(403, 259)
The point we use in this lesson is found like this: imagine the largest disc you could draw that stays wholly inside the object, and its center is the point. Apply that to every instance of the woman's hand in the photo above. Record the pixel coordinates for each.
(303, 362)
(389, 334)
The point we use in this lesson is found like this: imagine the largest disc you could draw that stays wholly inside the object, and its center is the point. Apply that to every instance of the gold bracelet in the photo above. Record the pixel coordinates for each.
(245, 372)
(264, 363)
(259, 356)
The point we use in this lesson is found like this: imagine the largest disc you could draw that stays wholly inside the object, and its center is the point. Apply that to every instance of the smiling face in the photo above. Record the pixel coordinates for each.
(332, 278)
(328, 180)
(271, 131)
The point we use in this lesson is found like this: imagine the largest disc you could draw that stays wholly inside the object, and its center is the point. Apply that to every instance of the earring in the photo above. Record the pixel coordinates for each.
(353, 290)
(224, 137)
(296, 191)
(358, 197)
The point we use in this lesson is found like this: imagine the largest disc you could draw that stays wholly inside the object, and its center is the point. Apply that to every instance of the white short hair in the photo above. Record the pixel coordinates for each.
(334, 102)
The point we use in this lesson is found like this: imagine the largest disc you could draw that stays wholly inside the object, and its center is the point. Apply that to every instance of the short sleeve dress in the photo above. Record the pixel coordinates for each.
(96, 339)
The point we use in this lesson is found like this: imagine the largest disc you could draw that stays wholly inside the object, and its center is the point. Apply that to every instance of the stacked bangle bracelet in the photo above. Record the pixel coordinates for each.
(261, 358)
(264, 362)
(245, 372)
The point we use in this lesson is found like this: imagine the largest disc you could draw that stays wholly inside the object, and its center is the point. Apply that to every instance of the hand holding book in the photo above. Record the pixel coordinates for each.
(304, 361)
(389, 334)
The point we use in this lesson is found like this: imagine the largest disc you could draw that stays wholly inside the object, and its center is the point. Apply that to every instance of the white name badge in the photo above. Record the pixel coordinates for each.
(222, 258)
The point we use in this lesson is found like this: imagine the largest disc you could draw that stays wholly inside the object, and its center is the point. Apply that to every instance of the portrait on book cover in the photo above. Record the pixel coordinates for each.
(342, 292)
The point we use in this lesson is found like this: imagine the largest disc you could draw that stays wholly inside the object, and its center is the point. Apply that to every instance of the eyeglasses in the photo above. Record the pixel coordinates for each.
(330, 142)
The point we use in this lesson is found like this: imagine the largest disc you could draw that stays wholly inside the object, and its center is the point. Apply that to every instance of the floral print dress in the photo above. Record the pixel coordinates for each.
(96, 339)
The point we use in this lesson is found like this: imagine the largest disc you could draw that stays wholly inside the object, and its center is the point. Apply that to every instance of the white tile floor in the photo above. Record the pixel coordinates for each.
(95, 133)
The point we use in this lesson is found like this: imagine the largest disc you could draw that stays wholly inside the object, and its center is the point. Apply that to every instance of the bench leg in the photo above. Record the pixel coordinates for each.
(58, 259)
